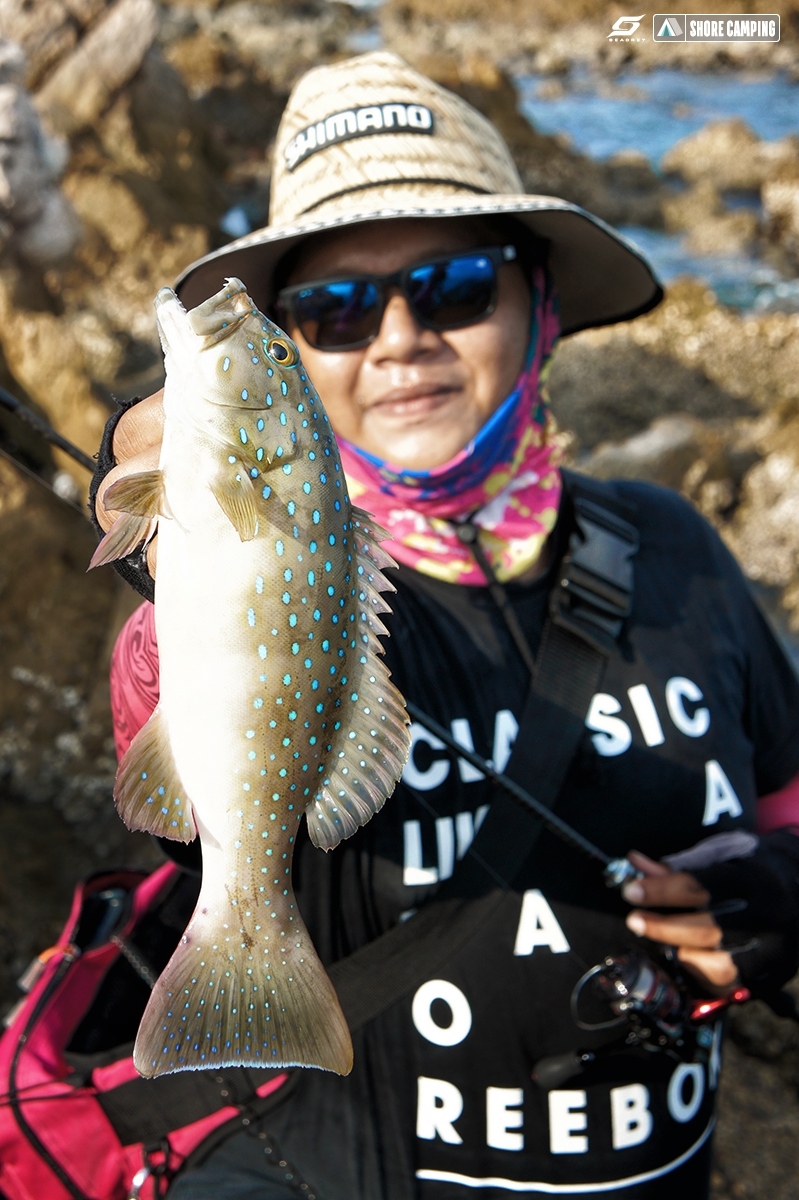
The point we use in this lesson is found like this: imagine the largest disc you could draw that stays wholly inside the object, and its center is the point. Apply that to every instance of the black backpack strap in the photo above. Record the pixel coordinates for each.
(588, 606)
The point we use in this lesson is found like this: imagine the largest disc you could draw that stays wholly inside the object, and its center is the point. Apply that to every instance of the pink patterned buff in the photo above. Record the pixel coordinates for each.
(506, 481)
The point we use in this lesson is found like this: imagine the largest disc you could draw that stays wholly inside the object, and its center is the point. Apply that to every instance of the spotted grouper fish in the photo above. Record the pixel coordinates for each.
(274, 701)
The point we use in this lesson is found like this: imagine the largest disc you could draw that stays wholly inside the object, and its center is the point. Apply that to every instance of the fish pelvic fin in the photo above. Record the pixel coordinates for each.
(372, 745)
(127, 532)
(148, 790)
(239, 992)
(235, 495)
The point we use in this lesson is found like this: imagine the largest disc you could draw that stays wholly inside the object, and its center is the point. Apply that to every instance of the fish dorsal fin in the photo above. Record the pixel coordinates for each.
(148, 791)
(369, 750)
(235, 495)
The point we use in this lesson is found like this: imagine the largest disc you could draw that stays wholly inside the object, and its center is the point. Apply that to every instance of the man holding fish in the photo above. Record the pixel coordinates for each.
(414, 296)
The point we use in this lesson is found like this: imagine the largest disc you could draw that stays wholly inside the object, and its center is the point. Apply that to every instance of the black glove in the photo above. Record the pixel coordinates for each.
(133, 569)
(763, 936)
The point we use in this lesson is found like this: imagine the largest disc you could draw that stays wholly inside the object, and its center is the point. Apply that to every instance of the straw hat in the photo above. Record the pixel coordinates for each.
(370, 139)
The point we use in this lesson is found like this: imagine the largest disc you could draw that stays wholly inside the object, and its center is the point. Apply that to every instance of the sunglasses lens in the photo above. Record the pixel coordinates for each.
(335, 315)
(452, 293)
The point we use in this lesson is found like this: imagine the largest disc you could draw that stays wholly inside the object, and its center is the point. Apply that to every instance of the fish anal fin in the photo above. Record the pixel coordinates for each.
(148, 791)
(235, 495)
(127, 532)
(143, 494)
(244, 1001)
(370, 750)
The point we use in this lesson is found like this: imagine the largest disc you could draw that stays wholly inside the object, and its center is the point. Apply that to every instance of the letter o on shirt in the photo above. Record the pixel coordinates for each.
(459, 1026)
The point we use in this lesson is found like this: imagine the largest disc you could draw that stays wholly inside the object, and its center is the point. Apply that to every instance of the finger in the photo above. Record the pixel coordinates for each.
(648, 865)
(714, 968)
(146, 460)
(698, 930)
(675, 889)
(140, 427)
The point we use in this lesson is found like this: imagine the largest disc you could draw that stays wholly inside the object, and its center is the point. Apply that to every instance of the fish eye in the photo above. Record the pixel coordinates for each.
(282, 352)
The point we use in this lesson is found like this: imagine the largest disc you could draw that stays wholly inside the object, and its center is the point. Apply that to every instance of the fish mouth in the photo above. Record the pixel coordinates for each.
(212, 321)
(172, 320)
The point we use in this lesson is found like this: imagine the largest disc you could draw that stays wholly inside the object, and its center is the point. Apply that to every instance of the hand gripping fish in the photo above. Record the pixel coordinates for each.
(274, 701)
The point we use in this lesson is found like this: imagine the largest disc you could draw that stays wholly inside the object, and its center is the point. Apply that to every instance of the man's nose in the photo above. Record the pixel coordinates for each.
(401, 337)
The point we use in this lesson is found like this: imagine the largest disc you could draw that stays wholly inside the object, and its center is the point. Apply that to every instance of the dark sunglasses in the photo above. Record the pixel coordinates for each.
(442, 293)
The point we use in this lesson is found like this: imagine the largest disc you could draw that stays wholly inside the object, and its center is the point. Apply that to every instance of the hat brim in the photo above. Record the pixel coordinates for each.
(600, 277)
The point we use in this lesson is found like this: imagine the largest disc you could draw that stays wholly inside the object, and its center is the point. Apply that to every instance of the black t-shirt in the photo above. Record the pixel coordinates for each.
(697, 715)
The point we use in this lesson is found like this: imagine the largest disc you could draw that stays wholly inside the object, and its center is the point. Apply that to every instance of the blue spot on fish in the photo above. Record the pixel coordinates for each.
(245, 395)
(292, 619)
(287, 574)
(285, 598)
(311, 578)
(291, 508)
(262, 651)
(259, 584)
(286, 680)
(259, 454)
(267, 491)
(250, 733)
(316, 516)
(259, 424)
(251, 617)
(284, 387)
(287, 469)
(256, 704)
(243, 436)
(231, 458)
(282, 418)
(226, 364)
(279, 547)
(306, 487)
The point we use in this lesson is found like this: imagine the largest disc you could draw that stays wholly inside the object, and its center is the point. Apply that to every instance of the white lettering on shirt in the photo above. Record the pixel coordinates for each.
(438, 1105)
(720, 795)
(438, 770)
(631, 1120)
(414, 873)
(538, 926)
(463, 736)
(566, 1118)
(645, 711)
(503, 1114)
(678, 690)
(505, 729)
(461, 1014)
(466, 826)
(612, 735)
(445, 843)
(681, 1109)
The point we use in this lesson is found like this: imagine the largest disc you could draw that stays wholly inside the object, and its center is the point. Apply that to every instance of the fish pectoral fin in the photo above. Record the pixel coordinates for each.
(143, 494)
(235, 993)
(235, 495)
(127, 532)
(372, 746)
(148, 791)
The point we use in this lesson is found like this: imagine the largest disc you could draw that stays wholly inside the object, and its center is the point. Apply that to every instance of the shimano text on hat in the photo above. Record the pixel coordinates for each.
(357, 123)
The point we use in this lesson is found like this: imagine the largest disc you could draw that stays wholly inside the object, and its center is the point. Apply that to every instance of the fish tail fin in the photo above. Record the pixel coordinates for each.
(243, 989)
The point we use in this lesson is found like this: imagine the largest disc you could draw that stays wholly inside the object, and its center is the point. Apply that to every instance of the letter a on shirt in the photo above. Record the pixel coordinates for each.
(538, 926)
(720, 795)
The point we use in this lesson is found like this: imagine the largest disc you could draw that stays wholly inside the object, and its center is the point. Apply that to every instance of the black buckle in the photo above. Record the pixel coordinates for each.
(594, 594)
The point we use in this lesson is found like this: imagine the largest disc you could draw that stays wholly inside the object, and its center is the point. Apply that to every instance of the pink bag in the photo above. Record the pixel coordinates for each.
(56, 1140)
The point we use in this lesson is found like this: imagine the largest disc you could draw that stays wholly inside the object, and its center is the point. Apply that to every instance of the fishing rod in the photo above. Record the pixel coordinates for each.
(44, 429)
(617, 871)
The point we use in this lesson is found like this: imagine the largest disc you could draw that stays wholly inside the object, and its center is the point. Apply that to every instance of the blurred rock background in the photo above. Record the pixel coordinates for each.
(134, 136)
